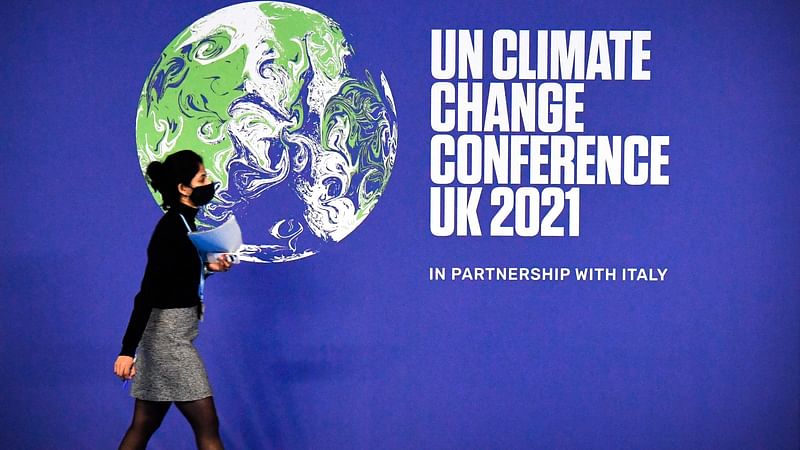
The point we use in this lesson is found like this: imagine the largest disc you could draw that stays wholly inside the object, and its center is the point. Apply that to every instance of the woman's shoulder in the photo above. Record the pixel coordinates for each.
(169, 223)
(168, 233)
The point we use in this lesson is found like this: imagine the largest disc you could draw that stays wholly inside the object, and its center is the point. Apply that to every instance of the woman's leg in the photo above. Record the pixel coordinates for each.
(147, 417)
(202, 416)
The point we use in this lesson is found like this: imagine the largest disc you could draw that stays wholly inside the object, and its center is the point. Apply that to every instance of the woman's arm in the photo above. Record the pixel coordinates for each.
(161, 258)
(136, 325)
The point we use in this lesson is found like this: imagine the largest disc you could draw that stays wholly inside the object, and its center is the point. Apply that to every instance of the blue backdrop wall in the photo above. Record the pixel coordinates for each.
(355, 347)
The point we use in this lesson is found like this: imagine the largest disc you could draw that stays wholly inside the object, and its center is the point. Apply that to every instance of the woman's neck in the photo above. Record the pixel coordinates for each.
(187, 202)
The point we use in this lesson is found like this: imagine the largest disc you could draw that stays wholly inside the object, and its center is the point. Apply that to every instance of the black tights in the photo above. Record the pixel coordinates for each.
(147, 417)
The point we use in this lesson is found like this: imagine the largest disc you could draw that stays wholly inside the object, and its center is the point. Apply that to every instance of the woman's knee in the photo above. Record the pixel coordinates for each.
(209, 422)
(201, 414)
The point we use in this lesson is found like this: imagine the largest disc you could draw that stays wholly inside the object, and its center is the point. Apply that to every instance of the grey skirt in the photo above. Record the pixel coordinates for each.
(168, 367)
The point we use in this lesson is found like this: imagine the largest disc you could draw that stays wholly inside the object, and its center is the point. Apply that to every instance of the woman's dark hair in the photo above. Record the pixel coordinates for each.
(178, 168)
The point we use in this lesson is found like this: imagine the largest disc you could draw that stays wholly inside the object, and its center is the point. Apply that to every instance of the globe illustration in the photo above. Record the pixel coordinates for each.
(302, 148)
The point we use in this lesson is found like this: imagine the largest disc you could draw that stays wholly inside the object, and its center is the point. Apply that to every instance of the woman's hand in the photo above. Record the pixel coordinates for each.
(124, 368)
(222, 264)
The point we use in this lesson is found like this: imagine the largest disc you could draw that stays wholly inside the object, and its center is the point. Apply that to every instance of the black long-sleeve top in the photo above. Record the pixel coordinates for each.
(172, 274)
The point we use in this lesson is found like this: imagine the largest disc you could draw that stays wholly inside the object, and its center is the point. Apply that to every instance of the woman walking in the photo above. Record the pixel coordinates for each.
(167, 368)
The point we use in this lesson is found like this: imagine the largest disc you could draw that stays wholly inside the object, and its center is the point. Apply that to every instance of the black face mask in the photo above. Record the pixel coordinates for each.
(201, 195)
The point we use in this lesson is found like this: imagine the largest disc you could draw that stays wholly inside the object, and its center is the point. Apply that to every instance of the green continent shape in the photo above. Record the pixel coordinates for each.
(193, 97)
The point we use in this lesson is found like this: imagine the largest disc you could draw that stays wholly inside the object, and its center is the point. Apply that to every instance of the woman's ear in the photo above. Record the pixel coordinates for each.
(184, 190)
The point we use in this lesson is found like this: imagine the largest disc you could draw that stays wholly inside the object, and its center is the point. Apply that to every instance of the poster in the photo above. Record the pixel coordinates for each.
(582, 234)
